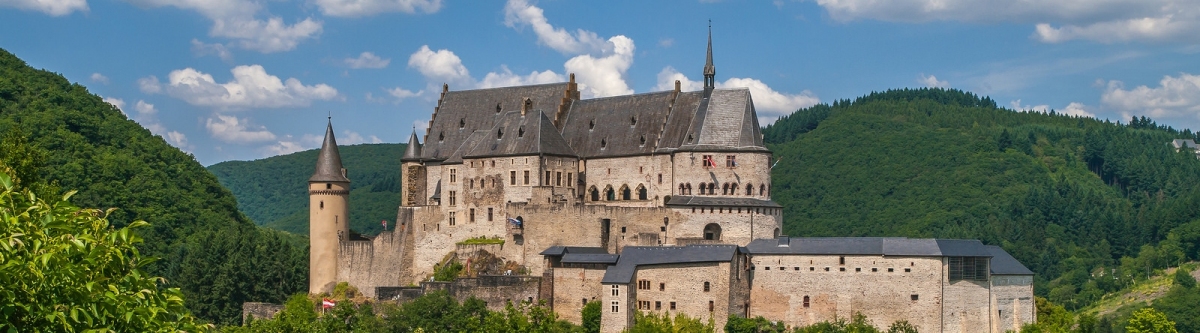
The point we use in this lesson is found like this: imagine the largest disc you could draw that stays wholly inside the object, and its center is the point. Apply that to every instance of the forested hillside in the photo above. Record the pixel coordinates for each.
(57, 135)
(273, 191)
(1089, 205)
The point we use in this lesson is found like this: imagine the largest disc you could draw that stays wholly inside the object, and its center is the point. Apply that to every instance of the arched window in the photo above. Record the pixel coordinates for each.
(641, 192)
(707, 286)
(733, 189)
(595, 193)
(609, 194)
(725, 189)
(689, 188)
(762, 189)
(749, 189)
(712, 188)
(712, 231)
(626, 194)
(681, 189)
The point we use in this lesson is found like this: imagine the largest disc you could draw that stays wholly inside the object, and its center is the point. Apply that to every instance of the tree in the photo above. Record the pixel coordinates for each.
(1149, 320)
(902, 326)
(67, 269)
(737, 324)
(680, 323)
(591, 317)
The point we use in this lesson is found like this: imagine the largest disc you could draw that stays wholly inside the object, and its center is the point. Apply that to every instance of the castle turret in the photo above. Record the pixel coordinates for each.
(328, 215)
(412, 192)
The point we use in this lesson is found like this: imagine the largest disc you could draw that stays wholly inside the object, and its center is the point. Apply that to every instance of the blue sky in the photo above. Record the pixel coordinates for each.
(247, 79)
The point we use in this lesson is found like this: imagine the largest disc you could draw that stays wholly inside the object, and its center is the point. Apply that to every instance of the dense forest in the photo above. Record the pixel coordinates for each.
(56, 135)
(273, 191)
(1089, 205)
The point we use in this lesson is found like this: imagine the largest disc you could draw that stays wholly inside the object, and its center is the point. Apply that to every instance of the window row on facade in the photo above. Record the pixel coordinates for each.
(736, 210)
(726, 189)
(452, 216)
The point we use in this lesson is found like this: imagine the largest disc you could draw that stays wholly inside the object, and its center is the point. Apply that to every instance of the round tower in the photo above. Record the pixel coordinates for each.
(412, 192)
(328, 215)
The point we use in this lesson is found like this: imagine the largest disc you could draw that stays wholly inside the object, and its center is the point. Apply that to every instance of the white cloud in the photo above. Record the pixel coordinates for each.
(442, 65)
(519, 13)
(235, 19)
(1016, 105)
(1055, 21)
(932, 82)
(290, 145)
(251, 87)
(50, 7)
(1077, 109)
(604, 76)
(1073, 109)
(177, 139)
(367, 60)
(419, 126)
(117, 102)
(144, 108)
(149, 85)
(202, 49)
(506, 78)
(400, 93)
(375, 139)
(1173, 97)
(99, 78)
(769, 103)
(352, 138)
(666, 42)
(356, 8)
(232, 129)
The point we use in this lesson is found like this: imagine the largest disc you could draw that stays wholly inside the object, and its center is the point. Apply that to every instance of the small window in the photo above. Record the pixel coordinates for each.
(662, 287)
(546, 181)
(874, 269)
(616, 307)
(632, 121)
(891, 269)
(453, 198)
(512, 177)
(472, 215)
(767, 268)
(441, 136)
(708, 161)
(672, 305)
(622, 229)
(591, 124)
(489, 214)
(914, 297)
(858, 269)
(841, 260)
(603, 143)
(526, 177)
(497, 107)
(826, 268)
(499, 133)
(462, 123)
(322, 204)
(558, 178)
(642, 141)
(841, 269)
(907, 270)
(806, 301)
(658, 305)
(660, 178)
(453, 176)
(810, 269)
(796, 268)
(615, 291)
(521, 132)
(782, 268)
(730, 161)
(711, 306)
(452, 218)
(707, 286)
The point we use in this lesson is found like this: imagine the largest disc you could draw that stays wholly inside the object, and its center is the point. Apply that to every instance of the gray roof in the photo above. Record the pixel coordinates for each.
(1183, 143)
(1004, 263)
(573, 258)
(413, 151)
(885, 246)
(618, 125)
(706, 201)
(709, 69)
(559, 250)
(521, 134)
(634, 256)
(329, 161)
(725, 121)
(472, 140)
(462, 112)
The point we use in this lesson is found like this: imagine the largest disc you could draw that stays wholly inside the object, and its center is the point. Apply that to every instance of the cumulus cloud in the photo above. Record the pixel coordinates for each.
(235, 20)
(769, 103)
(1055, 21)
(506, 78)
(251, 87)
(177, 139)
(352, 138)
(400, 93)
(202, 49)
(1072, 109)
(357, 8)
(367, 60)
(932, 82)
(1175, 96)
(1016, 105)
(1078, 109)
(99, 78)
(289, 144)
(605, 75)
(520, 13)
(442, 65)
(232, 129)
(144, 108)
(117, 102)
(50, 7)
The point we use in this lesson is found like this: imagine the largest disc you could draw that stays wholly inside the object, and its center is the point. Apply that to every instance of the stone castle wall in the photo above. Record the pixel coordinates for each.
(683, 284)
(966, 307)
(377, 262)
(752, 169)
(1012, 300)
(496, 291)
(572, 286)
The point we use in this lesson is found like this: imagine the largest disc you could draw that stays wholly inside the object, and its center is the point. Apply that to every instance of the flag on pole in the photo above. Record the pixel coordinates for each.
(384, 222)
(327, 303)
(710, 161)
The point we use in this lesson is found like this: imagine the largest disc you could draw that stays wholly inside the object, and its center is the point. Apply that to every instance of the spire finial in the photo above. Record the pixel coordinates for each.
(710, 71)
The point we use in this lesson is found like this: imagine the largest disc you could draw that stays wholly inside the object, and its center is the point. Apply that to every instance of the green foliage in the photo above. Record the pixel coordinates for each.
(448, 271)
(902, 326)
(273, 191)
(1180, 303)
(857, 324)
(1090, 206)
(1148, 320)
(680, 323)
(590, 315)
(483, 240)
(67, 269)
(1183, 278)
(74, 139)
(737, 324)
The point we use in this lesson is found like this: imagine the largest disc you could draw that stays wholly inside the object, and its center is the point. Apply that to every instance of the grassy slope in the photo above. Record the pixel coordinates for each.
(272, 191)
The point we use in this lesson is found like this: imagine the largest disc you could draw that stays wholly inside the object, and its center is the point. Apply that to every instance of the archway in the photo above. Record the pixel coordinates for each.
(609, 194)
(712, 231)
(626, 194)
(594, 193)
(641, 192)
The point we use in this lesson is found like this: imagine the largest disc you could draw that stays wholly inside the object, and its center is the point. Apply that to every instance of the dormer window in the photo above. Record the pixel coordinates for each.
(632, 121)
(462, 123)
(497, 107)
(441, 136)
(521, 132)
(643, 140)
(603, 143)
(689, 138)
(591, 124)
(499, 133)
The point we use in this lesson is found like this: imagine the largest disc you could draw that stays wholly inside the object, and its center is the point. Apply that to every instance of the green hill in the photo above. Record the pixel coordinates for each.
(58, 135)
(1068, 196)
(273, 191)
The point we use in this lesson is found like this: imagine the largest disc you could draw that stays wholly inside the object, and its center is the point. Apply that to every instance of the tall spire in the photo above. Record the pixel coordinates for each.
(413, 151)
(329, 161)
(710, 71)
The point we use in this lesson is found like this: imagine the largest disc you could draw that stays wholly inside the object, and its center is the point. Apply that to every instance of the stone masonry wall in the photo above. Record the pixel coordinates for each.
(752, 169)
(571, 287)
(781, 282)
(967, 306)
(1012, 302)
(683, 284)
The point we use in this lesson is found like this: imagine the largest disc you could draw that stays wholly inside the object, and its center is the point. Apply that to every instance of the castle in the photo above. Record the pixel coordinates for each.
(648, 202)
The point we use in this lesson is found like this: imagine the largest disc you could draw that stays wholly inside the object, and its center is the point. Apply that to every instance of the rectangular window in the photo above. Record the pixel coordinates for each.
(660, 178)
(472, 219)
(643, 284)
(615, 306)
(512, 177)
(658, 305)
(569, 183)
(708, 161)
(672, 305)
(489, 214)
(644, 305)
(711, 306)
(967, 268)
(453, 176)
(662, 287)
(453, 198)
(730, 161)
(615, 291)
(452, 218)
(526, 177)
(914, 297)
(472, 182)
(558, 178)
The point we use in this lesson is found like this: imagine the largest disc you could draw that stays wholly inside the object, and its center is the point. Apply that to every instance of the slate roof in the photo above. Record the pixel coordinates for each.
(329, 161)
(466, 111)
(727, 120)
(617, 126)
(1182, 143)
(412, 152)
(516, 134)
(709, 201)
(1004, 263)
(885, 246)
(559, 250)
(634, 256)
(573, 258)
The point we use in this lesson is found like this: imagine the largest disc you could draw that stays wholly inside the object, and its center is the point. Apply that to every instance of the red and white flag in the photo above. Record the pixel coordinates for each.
(326, 303)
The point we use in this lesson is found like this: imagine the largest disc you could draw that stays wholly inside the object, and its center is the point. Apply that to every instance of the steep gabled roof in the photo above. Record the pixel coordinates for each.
(727, 120)
(633, 256)
(329, 161)
(1004, 263)
(618, 125)
(521, 134)
(463, 112)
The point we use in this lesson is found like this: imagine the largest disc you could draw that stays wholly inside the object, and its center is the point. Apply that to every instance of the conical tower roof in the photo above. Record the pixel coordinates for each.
(413, 151)
(709, 69)
(329, 161)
